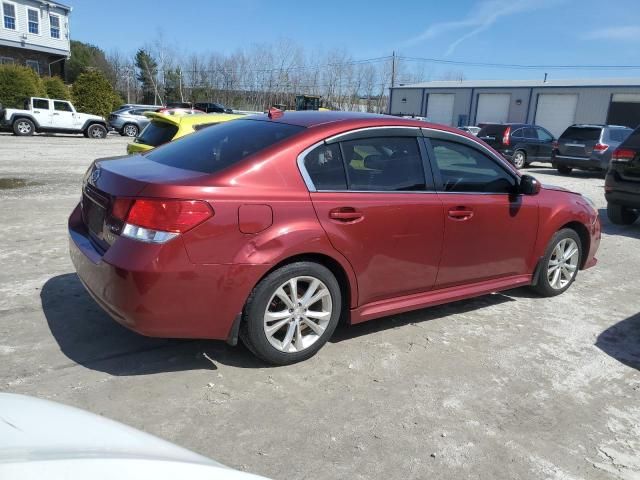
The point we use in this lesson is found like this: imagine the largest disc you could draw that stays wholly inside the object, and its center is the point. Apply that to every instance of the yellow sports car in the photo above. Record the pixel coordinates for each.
(164, 128)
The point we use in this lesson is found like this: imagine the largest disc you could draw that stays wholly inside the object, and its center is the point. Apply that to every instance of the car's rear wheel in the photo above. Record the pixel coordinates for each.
(563, 169)
(621, 215)
(23, 127)
(291, 313)
(96, 131)
(559, 266)
(130, 130)
(520, 159)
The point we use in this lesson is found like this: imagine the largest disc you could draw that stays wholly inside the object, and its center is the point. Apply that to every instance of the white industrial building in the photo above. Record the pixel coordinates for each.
(553, 104)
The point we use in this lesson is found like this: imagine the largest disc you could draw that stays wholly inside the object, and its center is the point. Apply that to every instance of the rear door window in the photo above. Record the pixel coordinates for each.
(581, 134)
(214, 149)
(530, 133)
(384, 164)
(41, 104)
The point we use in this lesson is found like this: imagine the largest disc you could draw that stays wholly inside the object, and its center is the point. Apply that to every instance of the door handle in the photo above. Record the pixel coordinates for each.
(56, 114)
(36, 111)
(460, 213)
(345, 214)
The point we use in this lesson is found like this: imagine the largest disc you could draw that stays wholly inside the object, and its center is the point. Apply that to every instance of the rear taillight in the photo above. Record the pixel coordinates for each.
(555, 145)
(600, 147)
(159, 220)
(623, 155)
(505, 138)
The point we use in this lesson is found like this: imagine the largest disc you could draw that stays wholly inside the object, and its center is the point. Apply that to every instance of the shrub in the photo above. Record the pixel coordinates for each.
(56, 88)
(17, 83)
(92, 93)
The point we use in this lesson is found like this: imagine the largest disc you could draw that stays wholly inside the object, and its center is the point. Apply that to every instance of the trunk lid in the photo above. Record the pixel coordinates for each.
(110, 178)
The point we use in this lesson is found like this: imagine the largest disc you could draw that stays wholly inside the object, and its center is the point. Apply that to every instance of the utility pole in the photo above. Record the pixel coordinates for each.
(393, 78)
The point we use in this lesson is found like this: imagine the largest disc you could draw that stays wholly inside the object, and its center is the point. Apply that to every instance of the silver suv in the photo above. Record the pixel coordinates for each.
(130, 121)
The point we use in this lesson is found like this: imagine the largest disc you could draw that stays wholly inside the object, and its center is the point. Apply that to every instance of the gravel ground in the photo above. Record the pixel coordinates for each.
(503, 386)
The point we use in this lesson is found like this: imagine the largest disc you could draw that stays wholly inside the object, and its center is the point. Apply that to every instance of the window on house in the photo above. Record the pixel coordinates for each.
(6, 60)
(9, 13)
(34, 21)
(34, 65)
(54, 21)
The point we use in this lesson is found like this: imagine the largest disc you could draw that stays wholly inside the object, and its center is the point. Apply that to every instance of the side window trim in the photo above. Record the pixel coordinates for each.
(452, 137)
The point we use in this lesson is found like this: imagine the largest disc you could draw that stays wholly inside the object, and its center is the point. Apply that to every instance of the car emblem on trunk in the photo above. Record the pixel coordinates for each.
(95, 175)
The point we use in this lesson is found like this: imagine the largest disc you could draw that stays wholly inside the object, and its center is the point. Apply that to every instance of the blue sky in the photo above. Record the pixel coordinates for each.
(496, 31)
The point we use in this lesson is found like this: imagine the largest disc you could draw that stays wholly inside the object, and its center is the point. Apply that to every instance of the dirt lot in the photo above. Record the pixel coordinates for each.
(503, 386)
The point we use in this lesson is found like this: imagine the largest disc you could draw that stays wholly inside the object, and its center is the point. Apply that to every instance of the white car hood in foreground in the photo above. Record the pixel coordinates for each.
(42, 439)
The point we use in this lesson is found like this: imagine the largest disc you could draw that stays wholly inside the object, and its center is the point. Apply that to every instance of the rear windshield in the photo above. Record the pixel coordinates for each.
(157, 133)
(633, 140)
(213, 149)
(492, 131)
(582, 134)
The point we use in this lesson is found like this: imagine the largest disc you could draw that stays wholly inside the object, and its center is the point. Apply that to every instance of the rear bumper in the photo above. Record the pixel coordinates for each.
(626, 199)
(587, 163)
(156, 290)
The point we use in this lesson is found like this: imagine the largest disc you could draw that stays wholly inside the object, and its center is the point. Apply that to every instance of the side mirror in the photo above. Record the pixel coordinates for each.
(529, 185)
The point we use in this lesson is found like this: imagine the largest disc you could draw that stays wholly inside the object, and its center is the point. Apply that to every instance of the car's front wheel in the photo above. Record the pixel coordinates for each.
(621, 215)
(291, 313)
(560, 264)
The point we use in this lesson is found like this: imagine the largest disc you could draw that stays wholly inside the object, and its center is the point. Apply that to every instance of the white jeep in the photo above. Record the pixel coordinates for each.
(54, 116)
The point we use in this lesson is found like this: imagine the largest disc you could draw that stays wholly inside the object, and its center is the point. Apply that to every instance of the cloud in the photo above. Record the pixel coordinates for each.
(627, 33)
(480, 19)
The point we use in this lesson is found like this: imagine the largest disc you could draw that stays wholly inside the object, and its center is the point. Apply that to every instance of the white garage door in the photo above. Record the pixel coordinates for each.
(440, 108)
(493, 107)
(556, 112)
(626, 97)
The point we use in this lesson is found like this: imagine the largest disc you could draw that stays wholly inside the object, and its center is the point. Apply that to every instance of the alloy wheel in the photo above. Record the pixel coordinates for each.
(519, 160)
(130, 130)
(563, 264)
(24, 127)
(297, 314)
(96, 132)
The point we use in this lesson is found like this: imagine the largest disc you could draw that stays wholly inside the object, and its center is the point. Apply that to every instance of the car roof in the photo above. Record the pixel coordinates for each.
(598, 125)
(313, 118)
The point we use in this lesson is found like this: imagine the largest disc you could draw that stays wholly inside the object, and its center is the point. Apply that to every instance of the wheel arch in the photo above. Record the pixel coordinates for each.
(16, 117)
(585, 238)
(90, 122)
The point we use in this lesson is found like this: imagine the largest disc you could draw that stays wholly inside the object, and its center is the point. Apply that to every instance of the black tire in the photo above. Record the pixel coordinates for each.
(23, 127)
(96, 131)
(564, 170)
(252, 330)
(621, 215)
(130, 130)
(519, 159)
(543, 286)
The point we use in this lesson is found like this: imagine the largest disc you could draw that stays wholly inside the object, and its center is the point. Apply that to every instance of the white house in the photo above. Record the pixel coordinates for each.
(35, 33)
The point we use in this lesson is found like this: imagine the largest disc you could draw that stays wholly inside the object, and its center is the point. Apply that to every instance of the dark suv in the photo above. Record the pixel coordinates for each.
(587, 147)
(520, 143)
(212, 107)
(622, 184)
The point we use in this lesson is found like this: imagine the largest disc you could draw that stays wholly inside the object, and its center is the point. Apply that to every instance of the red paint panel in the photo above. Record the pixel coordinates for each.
(254, 218)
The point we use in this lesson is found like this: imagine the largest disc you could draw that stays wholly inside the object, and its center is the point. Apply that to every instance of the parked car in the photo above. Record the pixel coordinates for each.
(273, 227)
(45, 439)
(212, 107)
(471, 129)
(520, 143)
(178, 105)
(587, 147)
(129, 106)
(165, 128)
(178, 111)
(129, 122)
(52, 116)
(622, 183)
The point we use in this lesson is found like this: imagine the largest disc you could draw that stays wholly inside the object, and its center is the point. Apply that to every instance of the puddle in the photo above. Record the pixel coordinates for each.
(14, 182)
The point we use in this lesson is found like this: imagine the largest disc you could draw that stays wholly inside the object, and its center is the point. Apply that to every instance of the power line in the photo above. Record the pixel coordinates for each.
(520, 66)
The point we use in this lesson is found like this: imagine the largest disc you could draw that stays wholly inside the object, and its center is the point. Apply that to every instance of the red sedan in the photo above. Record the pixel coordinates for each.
(273, 228)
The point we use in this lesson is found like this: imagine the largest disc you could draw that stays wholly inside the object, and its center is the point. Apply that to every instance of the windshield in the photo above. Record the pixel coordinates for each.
(214, 149)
